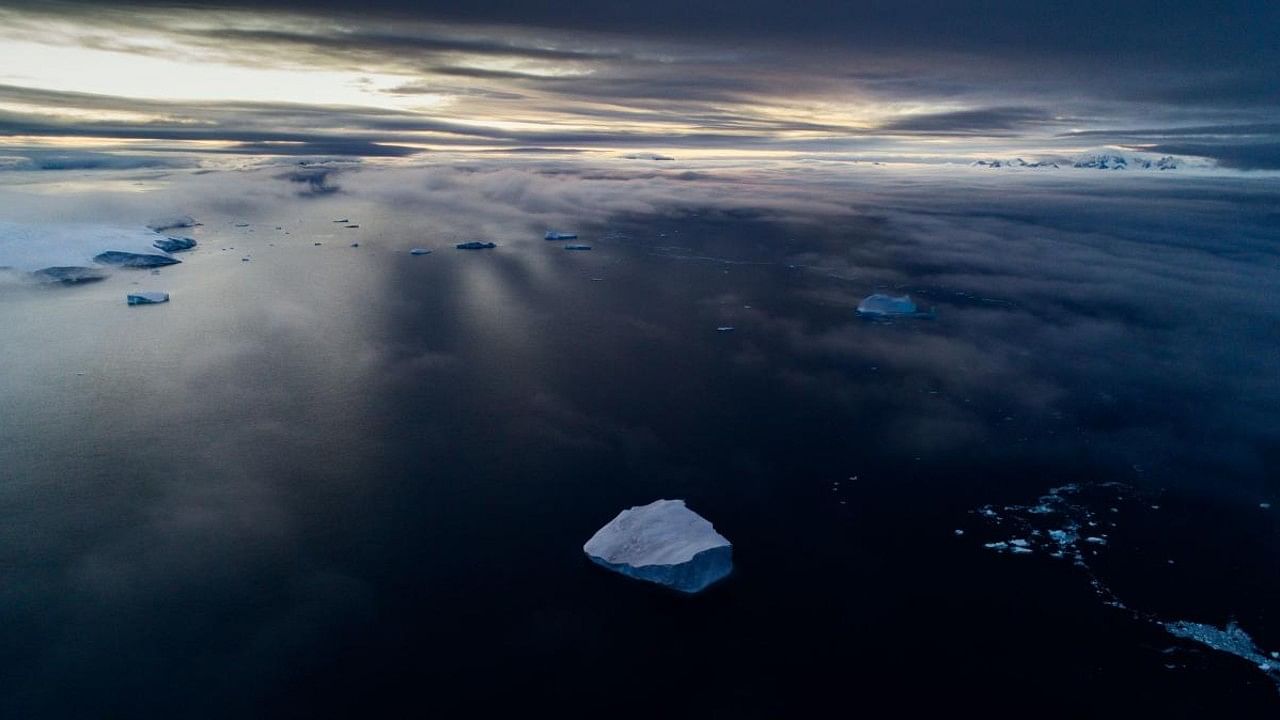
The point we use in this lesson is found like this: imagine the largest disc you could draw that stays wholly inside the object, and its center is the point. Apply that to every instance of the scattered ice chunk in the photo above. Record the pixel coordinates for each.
(725, 328)
(476, 245)
(352, 227)
(242, 224)
(174, 244)
(556, 235)
(1096, 540)
(147, 298)
(883, 305)
(959, 532)
(171, 222)
(419, 251)
(1264, 505)
(663, 542)
(577, 247)
(343, 220)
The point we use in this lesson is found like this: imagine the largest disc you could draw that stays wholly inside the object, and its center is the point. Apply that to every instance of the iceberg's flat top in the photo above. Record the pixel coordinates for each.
(32, 247)
(664, 532)
(879, 304)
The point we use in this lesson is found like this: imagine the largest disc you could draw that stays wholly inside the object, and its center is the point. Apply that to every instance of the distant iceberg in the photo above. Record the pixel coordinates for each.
(174, 244)
(172, 222)
(881, 305)
(69, 275)
(663, 542)
(577, 247)
(419, 251)
(131, 259)
(147, 298)
(476, 245)
(555, 235)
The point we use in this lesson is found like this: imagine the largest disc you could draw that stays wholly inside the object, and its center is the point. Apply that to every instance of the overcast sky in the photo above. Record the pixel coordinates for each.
(921, 79)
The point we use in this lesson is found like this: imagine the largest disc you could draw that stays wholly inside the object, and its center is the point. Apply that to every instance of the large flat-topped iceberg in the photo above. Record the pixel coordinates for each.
(663, 542)
(35, 247)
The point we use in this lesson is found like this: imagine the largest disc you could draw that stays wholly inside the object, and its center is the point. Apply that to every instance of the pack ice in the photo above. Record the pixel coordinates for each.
(663, 542)
(64, 246)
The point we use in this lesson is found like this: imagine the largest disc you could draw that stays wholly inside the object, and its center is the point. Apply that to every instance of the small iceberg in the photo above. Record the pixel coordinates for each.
(174, 244)
(476, 245)
(419, 251)
(577, 247)
(172, 222)
(147, 298)
(725, 328)
(69, 275)
(663, 542)
(131, 259)
(556, 235)
(880, 305)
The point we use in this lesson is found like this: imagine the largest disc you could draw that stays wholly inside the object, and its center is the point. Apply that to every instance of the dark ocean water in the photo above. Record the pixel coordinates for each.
(336, 480)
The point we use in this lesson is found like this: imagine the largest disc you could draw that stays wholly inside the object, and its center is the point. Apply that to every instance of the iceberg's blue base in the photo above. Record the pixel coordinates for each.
(701, 571)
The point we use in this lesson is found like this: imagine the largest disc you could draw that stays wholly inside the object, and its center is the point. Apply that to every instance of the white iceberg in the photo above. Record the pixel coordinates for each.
(556, 235)
(882, 305)
(147, 298)
(419, 251)
(663, 542)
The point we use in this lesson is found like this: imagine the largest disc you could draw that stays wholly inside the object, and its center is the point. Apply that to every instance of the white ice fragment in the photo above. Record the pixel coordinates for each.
(556, 235)
(882, 305)
(419, 251)
(725, 328)
(147, 298)
(663, 542)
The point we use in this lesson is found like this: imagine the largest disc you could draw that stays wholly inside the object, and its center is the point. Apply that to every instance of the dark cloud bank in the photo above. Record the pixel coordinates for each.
(708, 76)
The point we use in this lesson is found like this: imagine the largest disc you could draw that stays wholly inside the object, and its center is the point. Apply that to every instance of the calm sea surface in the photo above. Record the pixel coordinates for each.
(332, 479)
